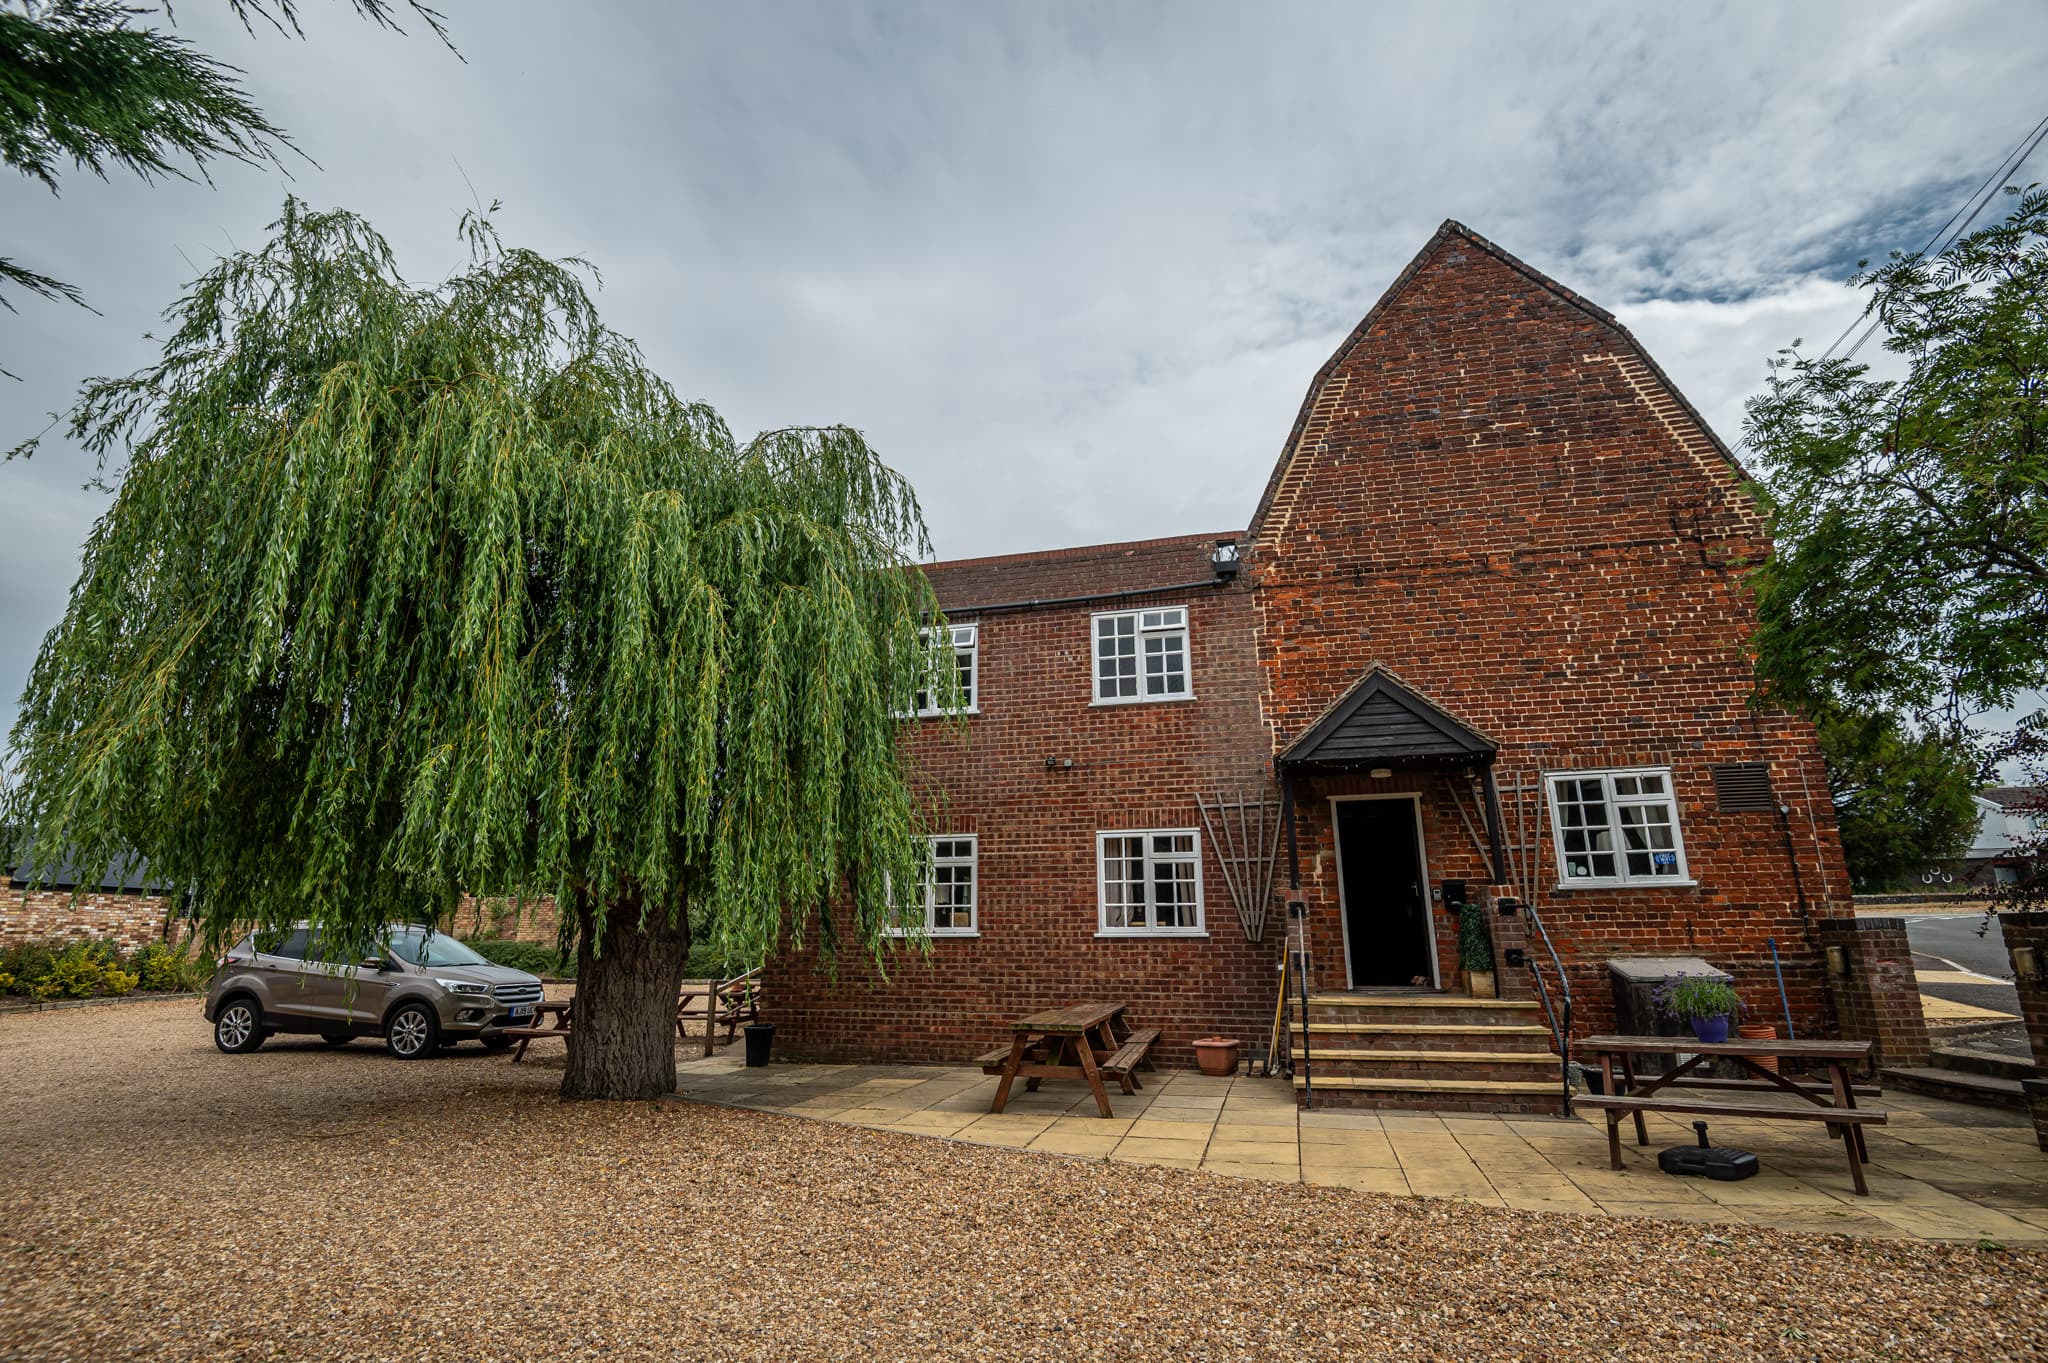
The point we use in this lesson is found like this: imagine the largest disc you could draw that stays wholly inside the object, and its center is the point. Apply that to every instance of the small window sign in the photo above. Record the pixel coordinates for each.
(1664, 858)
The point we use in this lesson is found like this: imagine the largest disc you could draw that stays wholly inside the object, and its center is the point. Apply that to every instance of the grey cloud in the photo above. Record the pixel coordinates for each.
(1070, 267)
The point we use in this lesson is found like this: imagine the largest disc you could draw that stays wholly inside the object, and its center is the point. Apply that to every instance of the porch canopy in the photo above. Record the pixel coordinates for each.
(1382, 723)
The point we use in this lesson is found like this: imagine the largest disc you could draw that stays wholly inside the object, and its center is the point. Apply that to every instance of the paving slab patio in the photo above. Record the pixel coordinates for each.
(1938, 1171)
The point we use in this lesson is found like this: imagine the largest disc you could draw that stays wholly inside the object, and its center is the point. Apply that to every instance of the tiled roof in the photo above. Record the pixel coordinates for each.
(1051, 574)
(2005, 797)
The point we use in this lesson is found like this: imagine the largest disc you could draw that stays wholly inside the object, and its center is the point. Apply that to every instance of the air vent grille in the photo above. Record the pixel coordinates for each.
(1743, 787)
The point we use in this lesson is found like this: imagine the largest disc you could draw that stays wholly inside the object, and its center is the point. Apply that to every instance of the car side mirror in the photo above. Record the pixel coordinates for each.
(377, 963)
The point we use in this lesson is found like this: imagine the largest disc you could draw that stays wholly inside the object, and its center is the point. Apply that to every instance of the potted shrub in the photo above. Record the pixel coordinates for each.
(1475, 952)
(1704, 1001)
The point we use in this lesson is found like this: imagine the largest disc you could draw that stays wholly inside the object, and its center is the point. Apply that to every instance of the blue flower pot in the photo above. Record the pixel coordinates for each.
(1713, 1030)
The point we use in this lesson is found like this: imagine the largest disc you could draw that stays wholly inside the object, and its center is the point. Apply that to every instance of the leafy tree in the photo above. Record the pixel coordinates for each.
(1903, 800)
(409, 591)
(1911, 516)
(80, 82)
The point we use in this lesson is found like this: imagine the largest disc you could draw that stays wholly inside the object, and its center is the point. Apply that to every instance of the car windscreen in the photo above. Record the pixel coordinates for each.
(418, 946)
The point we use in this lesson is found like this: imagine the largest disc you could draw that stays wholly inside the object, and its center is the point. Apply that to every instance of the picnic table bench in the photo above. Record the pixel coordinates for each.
(1080, 1041)
(726, 1003)
(556, 1030)
(1832, 1101)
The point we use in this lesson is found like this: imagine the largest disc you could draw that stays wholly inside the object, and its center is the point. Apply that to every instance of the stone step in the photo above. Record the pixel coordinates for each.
(1434, 1036)
(1972, 1061)
(1423, 999)
(1351, 1054)
(1412, 1009)
(1957, 1086)
(1454, 1095)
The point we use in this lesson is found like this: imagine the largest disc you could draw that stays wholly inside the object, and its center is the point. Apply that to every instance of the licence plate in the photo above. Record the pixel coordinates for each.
(520, 1010)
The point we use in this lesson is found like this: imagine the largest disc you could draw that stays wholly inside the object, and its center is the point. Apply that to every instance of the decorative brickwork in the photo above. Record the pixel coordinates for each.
(2026, 936)
(1494, 495)
(1877, 997)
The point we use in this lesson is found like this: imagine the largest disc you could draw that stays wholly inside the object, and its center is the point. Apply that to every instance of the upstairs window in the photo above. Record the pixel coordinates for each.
(1617, 827)
(1141, 655)
(961, 646)
(1149, 882)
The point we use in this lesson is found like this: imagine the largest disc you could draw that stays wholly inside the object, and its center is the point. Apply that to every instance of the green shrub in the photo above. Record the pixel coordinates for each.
(84, 970)
(26, 964)
(1475, 947)
(531, 957)
(159, 967)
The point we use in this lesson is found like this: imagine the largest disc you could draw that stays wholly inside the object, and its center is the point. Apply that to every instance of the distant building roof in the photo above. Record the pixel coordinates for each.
(127, 874)
(1048, 575)
(2005, 797)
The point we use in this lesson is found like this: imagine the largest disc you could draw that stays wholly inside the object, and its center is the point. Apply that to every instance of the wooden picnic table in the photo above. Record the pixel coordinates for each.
(1832, 1101)
(561, 1010)
(1080, 1041)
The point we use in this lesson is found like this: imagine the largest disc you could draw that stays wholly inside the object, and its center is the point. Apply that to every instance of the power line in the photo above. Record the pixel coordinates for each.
(1981, 197)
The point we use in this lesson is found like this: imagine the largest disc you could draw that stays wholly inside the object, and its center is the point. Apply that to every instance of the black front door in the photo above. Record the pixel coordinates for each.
(1386, 906)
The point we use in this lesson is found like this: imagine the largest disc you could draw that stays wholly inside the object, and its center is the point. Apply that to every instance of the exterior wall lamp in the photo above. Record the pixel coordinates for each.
(1838, 960)
(1223, 558)
(2026, 963)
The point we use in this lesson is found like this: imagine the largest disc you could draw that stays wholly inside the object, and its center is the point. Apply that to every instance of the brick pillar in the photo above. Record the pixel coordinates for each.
(1872, 984)
(1510, 932)
(2026, 943)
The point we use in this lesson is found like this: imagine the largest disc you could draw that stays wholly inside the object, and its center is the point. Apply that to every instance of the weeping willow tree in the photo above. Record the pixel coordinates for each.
(409, 591)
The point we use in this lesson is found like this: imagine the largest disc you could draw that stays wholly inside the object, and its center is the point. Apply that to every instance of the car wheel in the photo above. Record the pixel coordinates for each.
(337, 1038)
(497, 1043)
(239, 1028)
(411, 1032)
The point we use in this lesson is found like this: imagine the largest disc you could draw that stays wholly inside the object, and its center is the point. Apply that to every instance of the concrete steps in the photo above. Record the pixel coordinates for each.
(1426, 1050)
(1958, 1086)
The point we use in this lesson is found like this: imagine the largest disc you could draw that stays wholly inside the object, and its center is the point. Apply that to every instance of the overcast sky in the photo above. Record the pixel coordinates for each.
(1069, 267)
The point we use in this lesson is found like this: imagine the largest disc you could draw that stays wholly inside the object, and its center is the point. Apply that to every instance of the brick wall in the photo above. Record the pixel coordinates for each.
(2030, 931)
(132, 920)
(1877, 998)
(1134, 766)
(1493, 495)
(505, 919)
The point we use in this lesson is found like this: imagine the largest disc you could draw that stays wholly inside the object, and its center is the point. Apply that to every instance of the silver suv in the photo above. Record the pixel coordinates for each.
(423, 991)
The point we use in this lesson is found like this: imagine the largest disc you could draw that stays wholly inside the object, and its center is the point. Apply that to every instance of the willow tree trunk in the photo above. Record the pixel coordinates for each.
(624, 1045)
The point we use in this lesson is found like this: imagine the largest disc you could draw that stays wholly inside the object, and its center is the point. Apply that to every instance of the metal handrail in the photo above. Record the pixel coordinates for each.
(1562, 1034)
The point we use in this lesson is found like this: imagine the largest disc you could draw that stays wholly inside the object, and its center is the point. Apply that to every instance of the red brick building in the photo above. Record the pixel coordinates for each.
(1485, 630)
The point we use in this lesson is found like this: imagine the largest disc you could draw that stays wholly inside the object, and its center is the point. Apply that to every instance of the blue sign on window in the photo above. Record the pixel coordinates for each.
(1664, 858)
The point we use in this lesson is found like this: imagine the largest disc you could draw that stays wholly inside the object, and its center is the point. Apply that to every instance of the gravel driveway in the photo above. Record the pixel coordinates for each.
(161, 1201)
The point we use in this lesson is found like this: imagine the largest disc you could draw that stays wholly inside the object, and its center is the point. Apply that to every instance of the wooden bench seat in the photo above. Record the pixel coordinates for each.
(1843, 1121)
(1131, 1053)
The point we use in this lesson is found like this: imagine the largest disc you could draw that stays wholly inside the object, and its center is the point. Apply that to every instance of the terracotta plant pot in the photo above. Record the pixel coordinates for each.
(1760, 1031)
(1216, 1055)
(1480, 984)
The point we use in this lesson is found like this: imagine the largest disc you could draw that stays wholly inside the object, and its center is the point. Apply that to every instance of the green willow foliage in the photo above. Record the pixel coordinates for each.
(1911, 517)
(414, 591)
(82, 82)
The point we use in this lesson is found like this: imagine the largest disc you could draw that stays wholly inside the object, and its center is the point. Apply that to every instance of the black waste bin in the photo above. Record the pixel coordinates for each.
(760, 1036)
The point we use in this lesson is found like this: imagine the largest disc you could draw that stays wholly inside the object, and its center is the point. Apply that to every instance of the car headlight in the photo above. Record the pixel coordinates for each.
(470, 987)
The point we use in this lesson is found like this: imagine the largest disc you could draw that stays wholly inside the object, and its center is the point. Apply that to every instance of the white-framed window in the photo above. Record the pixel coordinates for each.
(965, 651)
(1617, 827)
(1149, 883)
(951, 891)
(1141, 655)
